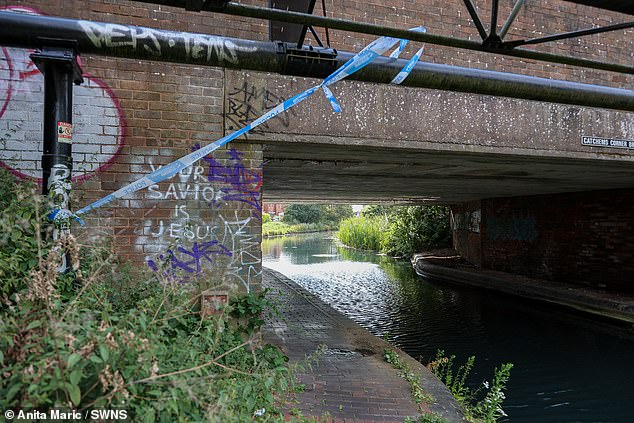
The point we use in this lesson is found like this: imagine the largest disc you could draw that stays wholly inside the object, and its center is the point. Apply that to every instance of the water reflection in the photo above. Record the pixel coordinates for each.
(566, 368)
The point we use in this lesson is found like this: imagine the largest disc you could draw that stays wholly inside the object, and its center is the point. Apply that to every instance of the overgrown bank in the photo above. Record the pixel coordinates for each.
(398, 230)
(98, 338)
(304, 218)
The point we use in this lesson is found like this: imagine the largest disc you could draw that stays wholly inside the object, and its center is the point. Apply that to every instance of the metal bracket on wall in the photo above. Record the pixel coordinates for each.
(313, 62)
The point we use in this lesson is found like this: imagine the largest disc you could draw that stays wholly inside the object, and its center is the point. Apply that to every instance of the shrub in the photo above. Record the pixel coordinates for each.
(365, 233)
(113, 340)
(478, 408)
(402, 232)
(302, 213)
(22, 209)
(414, 229)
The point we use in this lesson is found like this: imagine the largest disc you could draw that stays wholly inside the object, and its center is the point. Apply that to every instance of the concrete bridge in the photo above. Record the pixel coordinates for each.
(541, 189)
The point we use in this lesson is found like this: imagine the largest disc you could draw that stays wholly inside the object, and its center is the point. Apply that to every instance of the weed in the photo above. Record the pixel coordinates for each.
(487, 409)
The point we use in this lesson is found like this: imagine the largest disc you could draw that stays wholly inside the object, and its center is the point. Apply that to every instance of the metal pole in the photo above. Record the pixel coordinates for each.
(25, 31)
(60, 70)
(476, 19)
(495, 7)
(572, 34)
(232, 8)
(511, 18)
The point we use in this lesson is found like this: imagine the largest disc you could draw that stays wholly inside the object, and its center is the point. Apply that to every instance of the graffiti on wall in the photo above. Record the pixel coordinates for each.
(180, 241)
(191, 260)
(245, 103)
(512, 228)
(214, 184)
(241, 184)
(245, 265)
(98, 127)
(158, 42)
(466, 221)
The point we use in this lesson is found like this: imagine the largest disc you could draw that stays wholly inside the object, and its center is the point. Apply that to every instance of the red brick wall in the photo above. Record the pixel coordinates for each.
(537, 18)
(131, 117)
(465, 226)
(580, 238)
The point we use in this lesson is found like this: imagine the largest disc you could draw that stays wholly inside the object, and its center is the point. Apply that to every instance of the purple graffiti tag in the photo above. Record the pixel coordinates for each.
(245, 185)
(191, 261)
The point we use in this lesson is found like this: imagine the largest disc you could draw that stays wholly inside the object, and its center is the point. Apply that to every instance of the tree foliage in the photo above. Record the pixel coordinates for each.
(414, 229)
(330, 214)
(409, 229)
(302, 213)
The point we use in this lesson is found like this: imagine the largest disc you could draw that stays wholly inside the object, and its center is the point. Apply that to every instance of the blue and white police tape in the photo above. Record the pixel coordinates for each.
(358, 61)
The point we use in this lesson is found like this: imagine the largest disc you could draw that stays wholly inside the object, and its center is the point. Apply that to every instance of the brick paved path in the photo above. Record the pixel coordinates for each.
(351, 382)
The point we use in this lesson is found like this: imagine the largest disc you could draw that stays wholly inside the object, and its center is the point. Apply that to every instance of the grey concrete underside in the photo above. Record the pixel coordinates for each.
(402, 144)
(355, 174)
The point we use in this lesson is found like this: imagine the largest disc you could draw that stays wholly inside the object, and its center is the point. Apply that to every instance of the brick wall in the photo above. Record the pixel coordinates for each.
(465, 227)
(536, 19)
(131, 117)
(580, 238)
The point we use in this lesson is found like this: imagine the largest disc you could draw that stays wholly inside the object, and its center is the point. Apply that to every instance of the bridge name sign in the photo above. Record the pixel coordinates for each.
(607, 142)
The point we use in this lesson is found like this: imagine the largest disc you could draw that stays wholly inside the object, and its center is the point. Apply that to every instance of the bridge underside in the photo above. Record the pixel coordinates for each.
(363, 174)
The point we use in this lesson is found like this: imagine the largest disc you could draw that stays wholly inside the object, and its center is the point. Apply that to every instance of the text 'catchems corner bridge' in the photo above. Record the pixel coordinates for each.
(537, 169)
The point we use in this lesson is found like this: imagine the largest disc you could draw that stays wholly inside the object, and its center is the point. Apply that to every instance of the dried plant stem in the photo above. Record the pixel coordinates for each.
(191, 369)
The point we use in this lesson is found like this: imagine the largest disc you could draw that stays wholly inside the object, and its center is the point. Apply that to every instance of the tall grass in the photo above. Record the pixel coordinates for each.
(366, 233)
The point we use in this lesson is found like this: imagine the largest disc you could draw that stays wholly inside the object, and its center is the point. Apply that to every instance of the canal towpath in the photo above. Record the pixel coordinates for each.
(351, 381)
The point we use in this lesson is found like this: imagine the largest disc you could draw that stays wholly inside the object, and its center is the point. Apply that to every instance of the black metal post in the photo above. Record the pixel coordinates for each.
(60, 69)
(476, 19)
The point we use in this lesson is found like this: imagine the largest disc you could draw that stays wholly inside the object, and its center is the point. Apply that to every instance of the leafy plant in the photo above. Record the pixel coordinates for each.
(398, 231)
(414, 229)
(248, 308)
(406, 372)
(486, 409)
(21, 237)
(119, 339)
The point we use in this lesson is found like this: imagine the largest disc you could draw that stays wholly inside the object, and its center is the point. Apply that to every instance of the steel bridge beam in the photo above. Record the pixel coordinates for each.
(127, 41)
(232, 8)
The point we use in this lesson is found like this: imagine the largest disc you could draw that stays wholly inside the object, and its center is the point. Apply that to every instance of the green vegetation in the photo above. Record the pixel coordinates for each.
(301, 218)
(281, 228)
(330, 214)
(406, 372)
(398, 231)
(19, 232)
(103, 338)
(478, 408)
(416, 389)
(366, 233)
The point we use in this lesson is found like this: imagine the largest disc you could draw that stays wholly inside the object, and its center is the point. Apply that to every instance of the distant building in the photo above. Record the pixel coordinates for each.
(274, 209)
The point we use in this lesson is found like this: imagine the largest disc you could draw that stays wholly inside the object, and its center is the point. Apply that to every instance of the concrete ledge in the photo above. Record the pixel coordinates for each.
(618, 308)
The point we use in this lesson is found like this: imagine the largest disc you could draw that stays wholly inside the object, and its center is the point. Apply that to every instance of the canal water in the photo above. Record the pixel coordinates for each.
(566, 368)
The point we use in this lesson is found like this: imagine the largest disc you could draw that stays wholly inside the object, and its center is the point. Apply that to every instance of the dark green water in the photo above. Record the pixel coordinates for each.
(567, 368)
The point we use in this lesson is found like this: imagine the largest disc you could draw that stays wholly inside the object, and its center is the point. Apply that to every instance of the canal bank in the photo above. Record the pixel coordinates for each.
(447, 266)
(351, 382)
